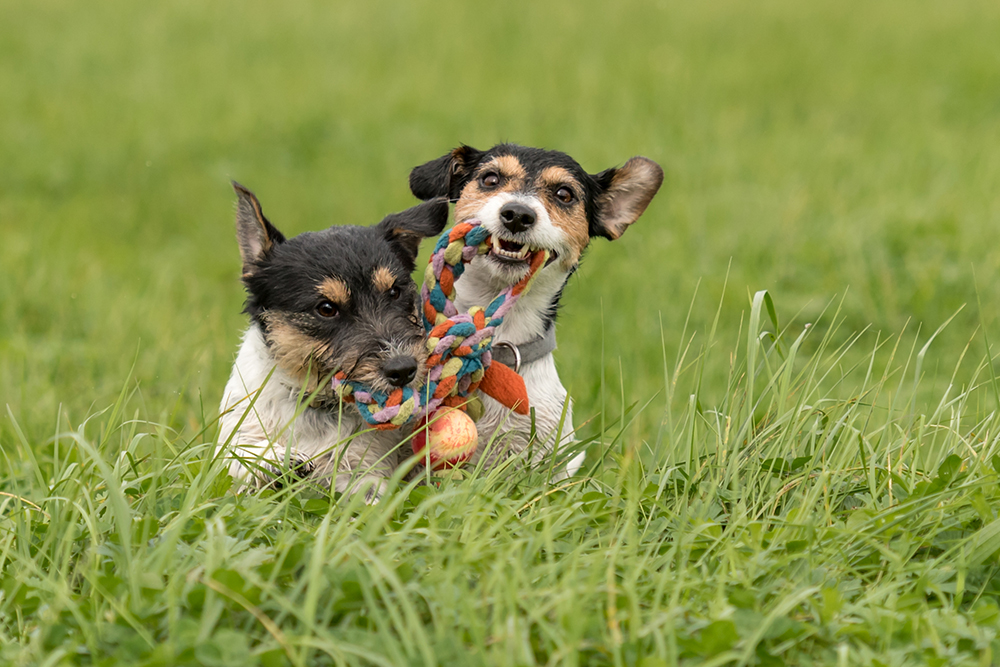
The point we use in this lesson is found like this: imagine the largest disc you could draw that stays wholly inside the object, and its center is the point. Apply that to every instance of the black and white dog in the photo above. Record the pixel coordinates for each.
(530, 199)
(321, 302)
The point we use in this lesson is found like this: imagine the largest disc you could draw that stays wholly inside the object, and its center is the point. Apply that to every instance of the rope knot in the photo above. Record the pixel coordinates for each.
(458, 344)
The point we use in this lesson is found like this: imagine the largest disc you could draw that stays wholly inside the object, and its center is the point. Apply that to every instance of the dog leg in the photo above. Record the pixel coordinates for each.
(264, 463)
(364, 465)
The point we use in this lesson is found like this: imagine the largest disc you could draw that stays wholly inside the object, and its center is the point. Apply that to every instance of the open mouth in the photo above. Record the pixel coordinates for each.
(512, 252)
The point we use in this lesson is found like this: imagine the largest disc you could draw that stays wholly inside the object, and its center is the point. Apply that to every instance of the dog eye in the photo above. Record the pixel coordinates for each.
(393, 292)
(327, 309)
(490, 179)
(565, 195)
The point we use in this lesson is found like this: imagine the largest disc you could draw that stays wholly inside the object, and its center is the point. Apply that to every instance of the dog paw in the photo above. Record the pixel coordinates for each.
(371, 487)
(298, 469)
(260, 473)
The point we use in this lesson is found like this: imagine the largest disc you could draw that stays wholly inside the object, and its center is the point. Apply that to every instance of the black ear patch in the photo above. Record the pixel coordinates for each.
(445, 176)
(406, 229)
(256, 235)
(624, 194)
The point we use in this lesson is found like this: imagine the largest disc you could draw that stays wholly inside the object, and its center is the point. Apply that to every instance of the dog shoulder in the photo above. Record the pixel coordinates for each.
(254, 400)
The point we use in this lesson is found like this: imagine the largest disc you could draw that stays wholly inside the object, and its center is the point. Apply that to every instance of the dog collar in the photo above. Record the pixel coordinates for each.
(516, 356)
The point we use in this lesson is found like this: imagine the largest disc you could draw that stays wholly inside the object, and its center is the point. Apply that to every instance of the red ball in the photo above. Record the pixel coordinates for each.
(449, 434)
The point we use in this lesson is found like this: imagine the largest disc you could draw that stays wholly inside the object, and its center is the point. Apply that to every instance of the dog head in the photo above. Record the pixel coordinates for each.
(532, 199)
(339, 299)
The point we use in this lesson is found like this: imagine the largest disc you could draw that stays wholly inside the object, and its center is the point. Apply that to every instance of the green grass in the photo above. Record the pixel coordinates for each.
(757, 491)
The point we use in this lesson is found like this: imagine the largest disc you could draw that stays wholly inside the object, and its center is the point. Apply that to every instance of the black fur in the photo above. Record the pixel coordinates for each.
(284, 282)
(447, 175)
(602, 181)
(407, 229)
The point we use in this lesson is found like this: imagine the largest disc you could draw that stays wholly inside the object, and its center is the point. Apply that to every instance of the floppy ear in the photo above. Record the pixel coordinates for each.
(626, 192)
(255, 234)
(445, 176)
(406, 229)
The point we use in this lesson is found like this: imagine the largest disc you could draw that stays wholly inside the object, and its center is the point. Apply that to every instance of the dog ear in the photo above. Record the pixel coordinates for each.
(406, 229)
(255, 234)
(445, 176)
(625, 193)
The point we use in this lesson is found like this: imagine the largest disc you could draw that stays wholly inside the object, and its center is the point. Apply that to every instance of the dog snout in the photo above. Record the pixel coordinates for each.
(400, 371)
(517, 217)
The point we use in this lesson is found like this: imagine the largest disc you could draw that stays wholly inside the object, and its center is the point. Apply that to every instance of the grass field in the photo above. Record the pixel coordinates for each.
(810, 476)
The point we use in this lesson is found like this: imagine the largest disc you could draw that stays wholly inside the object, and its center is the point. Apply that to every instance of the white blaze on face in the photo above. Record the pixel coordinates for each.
(542, 235)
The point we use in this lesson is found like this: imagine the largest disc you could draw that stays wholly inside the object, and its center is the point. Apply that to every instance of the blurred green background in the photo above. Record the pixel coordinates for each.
(826, 151)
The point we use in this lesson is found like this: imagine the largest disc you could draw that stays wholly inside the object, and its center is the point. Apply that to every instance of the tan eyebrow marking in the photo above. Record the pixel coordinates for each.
(556, 175)
(335, 290)
(383, 279)
(510, 167)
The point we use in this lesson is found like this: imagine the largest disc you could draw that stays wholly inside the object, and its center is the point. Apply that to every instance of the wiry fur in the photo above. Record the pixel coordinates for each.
(602, 204)
(337, 300)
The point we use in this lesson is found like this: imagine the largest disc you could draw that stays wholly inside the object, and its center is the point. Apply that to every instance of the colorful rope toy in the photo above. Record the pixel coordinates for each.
(458, 344)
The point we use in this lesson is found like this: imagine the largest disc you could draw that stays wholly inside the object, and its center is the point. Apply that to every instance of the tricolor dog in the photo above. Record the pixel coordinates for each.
(531, 199)
(341, 299)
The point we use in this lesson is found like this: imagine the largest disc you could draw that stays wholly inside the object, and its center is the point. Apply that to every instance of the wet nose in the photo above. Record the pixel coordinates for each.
(400, 371)
(517, 217)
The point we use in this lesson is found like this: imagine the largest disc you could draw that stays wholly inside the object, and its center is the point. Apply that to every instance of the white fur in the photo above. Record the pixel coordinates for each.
(336, 442)
(479, 285)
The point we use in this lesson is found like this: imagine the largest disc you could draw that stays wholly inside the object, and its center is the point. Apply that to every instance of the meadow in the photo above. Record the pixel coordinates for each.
(783, 373)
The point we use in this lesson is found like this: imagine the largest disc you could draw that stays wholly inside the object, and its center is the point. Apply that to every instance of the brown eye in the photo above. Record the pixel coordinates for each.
(393, 292)
(327, 308)
(565, 195)
(490, 179)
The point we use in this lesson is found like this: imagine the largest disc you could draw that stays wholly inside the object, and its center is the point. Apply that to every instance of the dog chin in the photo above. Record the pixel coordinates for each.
(504, 270)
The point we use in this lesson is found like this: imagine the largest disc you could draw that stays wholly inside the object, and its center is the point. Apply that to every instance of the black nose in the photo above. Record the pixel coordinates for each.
(400, 371)
(517, 217)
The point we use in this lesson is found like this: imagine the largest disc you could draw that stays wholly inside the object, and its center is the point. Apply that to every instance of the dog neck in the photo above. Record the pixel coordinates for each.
(534, 311)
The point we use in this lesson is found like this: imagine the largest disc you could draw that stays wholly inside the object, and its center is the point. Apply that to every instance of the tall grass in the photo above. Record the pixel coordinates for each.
(778, 526)
(756, 491)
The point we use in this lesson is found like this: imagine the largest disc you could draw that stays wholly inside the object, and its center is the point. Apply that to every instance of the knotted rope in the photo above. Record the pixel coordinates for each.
(458, 344)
